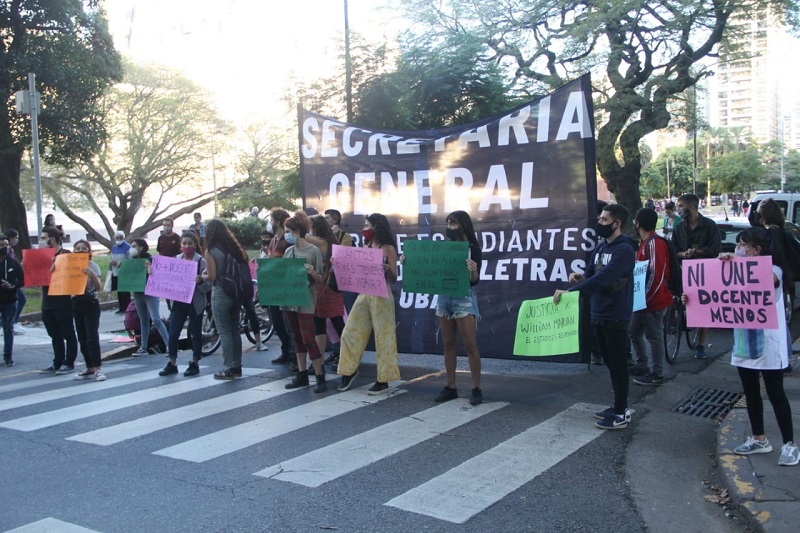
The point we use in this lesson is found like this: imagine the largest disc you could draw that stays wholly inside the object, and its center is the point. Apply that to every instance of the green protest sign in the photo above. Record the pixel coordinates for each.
(436, 267)
(132, 275)
(282, 281)
(544, 328)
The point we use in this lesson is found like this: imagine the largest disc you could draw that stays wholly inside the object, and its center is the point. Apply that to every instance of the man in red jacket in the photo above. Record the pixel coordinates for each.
(649, 322)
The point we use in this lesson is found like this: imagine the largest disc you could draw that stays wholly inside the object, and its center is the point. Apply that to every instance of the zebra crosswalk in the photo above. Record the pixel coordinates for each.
(113, 414)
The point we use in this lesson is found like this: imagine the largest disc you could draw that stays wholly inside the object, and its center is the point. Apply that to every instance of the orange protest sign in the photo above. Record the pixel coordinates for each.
(68, 278)
(37, 264)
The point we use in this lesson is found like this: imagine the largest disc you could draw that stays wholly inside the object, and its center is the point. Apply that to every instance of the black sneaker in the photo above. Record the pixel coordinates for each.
(299, 380)
(613, 422)
(446, 395)
(602, 414)
(193, 369)
(65, 369)
(347, 382)
(649, 379)
(378, 388)
(332, 358)
(476, 398)
(237, 371)
(293, 367)
(50, 369)
(638, 369)
(283, 359)
(8, 361)
(227, 374)
(169, 370)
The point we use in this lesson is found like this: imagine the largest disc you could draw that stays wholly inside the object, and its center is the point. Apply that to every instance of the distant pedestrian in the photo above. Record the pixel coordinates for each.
(169, 242)
(118, 254)
(57, 315)
(745, 207)
(86, 312)
(11, 279)
(670, 219)
(735, 207)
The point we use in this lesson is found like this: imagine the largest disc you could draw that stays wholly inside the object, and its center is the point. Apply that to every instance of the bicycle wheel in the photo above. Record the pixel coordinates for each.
(211, 340)
(264, 325)
(672, 333)
(691, 337)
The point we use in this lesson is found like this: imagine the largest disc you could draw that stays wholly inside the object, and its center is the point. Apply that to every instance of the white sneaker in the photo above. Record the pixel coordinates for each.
(86, 374)
(751, 446)
(19, 330)
(790, 455)
(99, 376)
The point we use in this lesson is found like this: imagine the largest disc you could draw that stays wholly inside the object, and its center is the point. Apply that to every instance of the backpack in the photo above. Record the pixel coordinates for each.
(675, 281)
(791, 253)
(236, 280)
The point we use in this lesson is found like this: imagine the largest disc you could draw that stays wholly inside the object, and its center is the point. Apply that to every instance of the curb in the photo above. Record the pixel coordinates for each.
(37, 316)
(120, 352)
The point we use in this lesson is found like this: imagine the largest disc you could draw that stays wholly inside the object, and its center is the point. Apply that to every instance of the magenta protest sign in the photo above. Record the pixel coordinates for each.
(734, 293)
(172, 278)
(359, 270)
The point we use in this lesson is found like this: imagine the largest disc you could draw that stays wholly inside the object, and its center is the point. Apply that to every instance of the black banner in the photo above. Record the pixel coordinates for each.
(527, 179)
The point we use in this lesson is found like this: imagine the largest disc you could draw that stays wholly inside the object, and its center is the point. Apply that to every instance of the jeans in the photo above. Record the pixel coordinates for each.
(86, 311)
(147, 307)
(7, 312)
(226, 316)
(648, 325)
(59, 325)
(177, 318)
(21, 301)
(611, 335)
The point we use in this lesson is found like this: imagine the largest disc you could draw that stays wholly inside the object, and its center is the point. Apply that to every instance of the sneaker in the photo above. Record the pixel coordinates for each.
(649, 379)
(140, 352)
(752, 446)
(50, 369)
(193, 369)
(19, 330)
(476, 398)
(613, 422)
(8, 361)
(86, 374)
(283, 359)
(600, 415)
(169, 369)
(261, 347)
(447, 394)
(237, 371)
(226, 374)
(299, 380)
(347, 382)
(65, 369)
(700, 352)
(99, 376)
(597, 359)
(790, 455)
(638, 369)
(378, 388)
(332, 358)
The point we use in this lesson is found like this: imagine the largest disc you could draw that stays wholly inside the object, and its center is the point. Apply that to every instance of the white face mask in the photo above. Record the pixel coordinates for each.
(133, 252)
(269, 226)
(740, 252)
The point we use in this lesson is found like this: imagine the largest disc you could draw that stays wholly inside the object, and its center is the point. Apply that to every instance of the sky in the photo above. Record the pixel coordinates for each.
(243, 51)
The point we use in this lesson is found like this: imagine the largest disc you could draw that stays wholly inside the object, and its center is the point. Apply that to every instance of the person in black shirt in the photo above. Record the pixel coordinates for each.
(57, 316)
(11, 280)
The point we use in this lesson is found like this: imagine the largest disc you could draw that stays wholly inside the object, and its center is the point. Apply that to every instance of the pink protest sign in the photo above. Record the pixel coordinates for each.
(359, 270)
(172, 278)
(734, 293)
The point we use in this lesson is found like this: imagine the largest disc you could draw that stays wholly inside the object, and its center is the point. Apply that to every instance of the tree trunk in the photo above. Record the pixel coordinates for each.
(12, 209)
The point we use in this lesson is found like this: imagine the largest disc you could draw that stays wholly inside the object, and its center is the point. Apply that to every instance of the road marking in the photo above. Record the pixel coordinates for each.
(49, 380)
(98, 407)
(469, 488)
(51, 525)
(326, 464)
(263, 429)
(150, 424)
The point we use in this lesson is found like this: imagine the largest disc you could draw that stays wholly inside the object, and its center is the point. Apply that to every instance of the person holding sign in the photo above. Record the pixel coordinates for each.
(11, 279)
(86, 311)
(301, 317)
(191, 251)
(330, 304)
(276, 248)
(648, 323)
(57, 315)
(763, 352)
(608, 282)
(147, 307)
(373, 313)
(118, 254)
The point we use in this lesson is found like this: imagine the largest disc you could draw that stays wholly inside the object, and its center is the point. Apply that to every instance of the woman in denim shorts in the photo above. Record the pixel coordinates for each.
(459, 314)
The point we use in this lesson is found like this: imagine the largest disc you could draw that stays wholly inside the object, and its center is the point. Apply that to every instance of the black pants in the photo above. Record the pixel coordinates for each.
(87, 325)
(59, 326)
(123, 298)
(773, 382)
(611, 342)
(279, 323)
(321, 327)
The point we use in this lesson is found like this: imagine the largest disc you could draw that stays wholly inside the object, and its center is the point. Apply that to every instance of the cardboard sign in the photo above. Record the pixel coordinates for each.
(174, 279)
(283, 281)
(360, 270)
(132, 275)
(734, 293)
(544, 328)
(37, 263)
(68, 278)
(436, 267)
(640, 285)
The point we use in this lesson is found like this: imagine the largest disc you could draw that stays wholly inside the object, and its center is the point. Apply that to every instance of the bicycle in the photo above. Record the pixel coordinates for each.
(674, 326)
(211, 338)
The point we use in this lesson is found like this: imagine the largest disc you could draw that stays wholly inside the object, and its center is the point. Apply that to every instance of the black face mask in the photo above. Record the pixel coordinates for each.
(453, 234)
(604, 230)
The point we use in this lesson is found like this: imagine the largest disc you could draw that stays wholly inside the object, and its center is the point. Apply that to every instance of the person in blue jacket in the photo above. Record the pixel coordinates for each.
(609, 284)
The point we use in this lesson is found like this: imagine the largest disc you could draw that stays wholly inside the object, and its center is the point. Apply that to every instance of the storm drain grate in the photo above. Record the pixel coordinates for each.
(707, 403)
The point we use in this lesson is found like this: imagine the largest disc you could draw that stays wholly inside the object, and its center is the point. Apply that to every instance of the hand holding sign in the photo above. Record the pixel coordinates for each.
(283, 281)
(68, 277)
(37, 266)
(172, 278)
(547, 328)
(360, 270)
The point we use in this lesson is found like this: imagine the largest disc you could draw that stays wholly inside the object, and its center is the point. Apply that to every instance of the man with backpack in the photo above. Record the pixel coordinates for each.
(648, 323)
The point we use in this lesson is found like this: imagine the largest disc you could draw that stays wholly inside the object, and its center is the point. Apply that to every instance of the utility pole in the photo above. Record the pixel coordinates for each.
(348, 66)
(27, 103)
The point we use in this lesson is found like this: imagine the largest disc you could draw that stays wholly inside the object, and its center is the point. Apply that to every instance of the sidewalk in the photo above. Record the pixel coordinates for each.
(768, 495)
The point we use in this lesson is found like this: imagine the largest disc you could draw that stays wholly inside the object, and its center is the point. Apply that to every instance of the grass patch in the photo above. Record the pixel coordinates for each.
(34, 294)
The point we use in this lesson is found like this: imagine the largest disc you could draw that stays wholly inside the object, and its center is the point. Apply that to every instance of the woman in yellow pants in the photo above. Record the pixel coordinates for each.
(373, 313)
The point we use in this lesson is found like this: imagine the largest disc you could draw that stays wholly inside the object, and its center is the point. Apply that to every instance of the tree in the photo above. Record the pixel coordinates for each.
(648, 55)
(654, 176)
(160, 139)
(68, 47)
(736, 171)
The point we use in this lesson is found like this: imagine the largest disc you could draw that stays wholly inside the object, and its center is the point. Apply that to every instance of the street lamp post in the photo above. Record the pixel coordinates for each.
(27, 102)
(669, 191)
(783, 175)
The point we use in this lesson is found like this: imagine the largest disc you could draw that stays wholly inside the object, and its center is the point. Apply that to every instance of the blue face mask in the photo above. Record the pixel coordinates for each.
(290, 238)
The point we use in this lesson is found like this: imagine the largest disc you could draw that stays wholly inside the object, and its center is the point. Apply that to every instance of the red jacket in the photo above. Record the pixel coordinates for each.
(654, 250)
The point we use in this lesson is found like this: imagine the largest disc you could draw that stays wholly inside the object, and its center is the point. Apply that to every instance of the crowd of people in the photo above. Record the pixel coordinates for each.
(72, 321)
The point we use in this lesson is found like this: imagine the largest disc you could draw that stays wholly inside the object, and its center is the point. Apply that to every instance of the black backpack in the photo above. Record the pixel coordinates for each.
(675, 281)
(236, 280)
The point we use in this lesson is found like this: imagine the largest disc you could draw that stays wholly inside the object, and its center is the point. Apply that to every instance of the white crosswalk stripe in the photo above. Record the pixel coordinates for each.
(45, 380)
(469, 488)
(181, 415)
(326, 464)
(51, 525)
(263, 429)
(89, 409)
